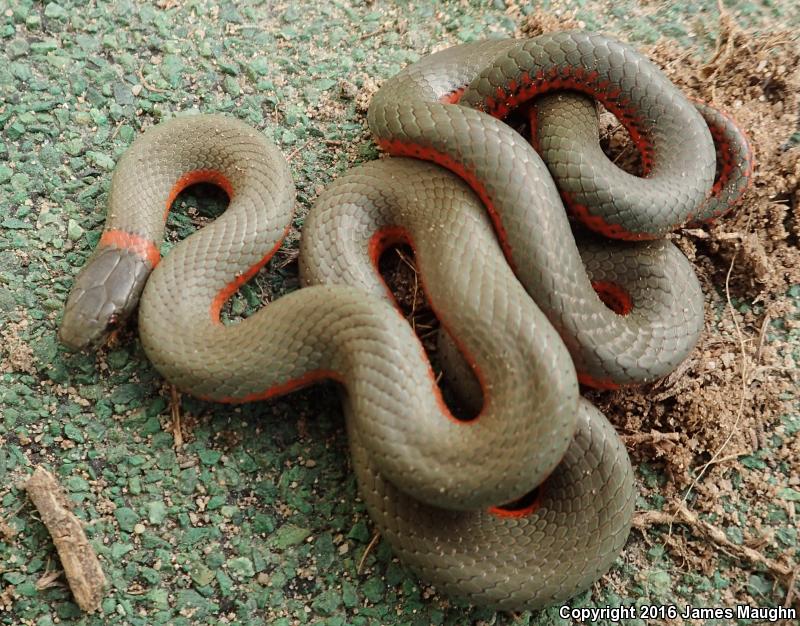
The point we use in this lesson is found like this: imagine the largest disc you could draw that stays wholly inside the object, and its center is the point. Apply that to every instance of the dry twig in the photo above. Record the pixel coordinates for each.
(175, 412)
(148, 86)
(681, 514)
(367, 550)
(652, 437)
(84, 574)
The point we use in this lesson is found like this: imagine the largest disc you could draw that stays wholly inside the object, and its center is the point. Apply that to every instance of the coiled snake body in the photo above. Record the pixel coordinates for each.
(434, 486)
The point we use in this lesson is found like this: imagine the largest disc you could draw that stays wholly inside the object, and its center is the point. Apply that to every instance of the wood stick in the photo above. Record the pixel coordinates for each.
(84, 574)
(679, 513)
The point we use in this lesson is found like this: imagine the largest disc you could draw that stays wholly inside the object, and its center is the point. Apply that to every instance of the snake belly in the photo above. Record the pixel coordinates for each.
(435, 487)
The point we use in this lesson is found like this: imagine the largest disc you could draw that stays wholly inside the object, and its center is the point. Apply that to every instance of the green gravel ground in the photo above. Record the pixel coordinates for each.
(257, 519)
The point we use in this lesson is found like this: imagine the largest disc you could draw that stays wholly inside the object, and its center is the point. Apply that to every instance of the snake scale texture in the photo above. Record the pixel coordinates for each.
(530, 502)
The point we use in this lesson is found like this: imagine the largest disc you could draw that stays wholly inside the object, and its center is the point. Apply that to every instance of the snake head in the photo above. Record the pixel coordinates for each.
(105, 293)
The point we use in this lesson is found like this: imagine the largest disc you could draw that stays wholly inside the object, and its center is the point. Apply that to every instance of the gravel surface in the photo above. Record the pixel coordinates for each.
(256, 519)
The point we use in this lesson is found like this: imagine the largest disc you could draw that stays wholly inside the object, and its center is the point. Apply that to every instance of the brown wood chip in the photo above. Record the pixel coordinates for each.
(84, 574)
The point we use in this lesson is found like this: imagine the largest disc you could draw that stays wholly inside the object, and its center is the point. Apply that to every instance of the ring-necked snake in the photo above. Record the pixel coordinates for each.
(436, 486)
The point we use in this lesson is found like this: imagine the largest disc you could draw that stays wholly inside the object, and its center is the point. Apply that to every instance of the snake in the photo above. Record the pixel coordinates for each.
(530, 502)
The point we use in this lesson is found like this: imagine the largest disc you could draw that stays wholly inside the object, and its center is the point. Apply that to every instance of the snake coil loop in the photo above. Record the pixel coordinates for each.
(531, 502)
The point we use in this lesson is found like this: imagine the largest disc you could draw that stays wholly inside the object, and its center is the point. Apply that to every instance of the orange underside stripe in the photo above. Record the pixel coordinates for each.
(305, 380)
(195, 177)
(380, 241)
(613, 296)
(598, 383)
(407, 148)
(499, 511)
(222, 297)
(393, 235)
(215, 177)
(137, 244)
(146, 249)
